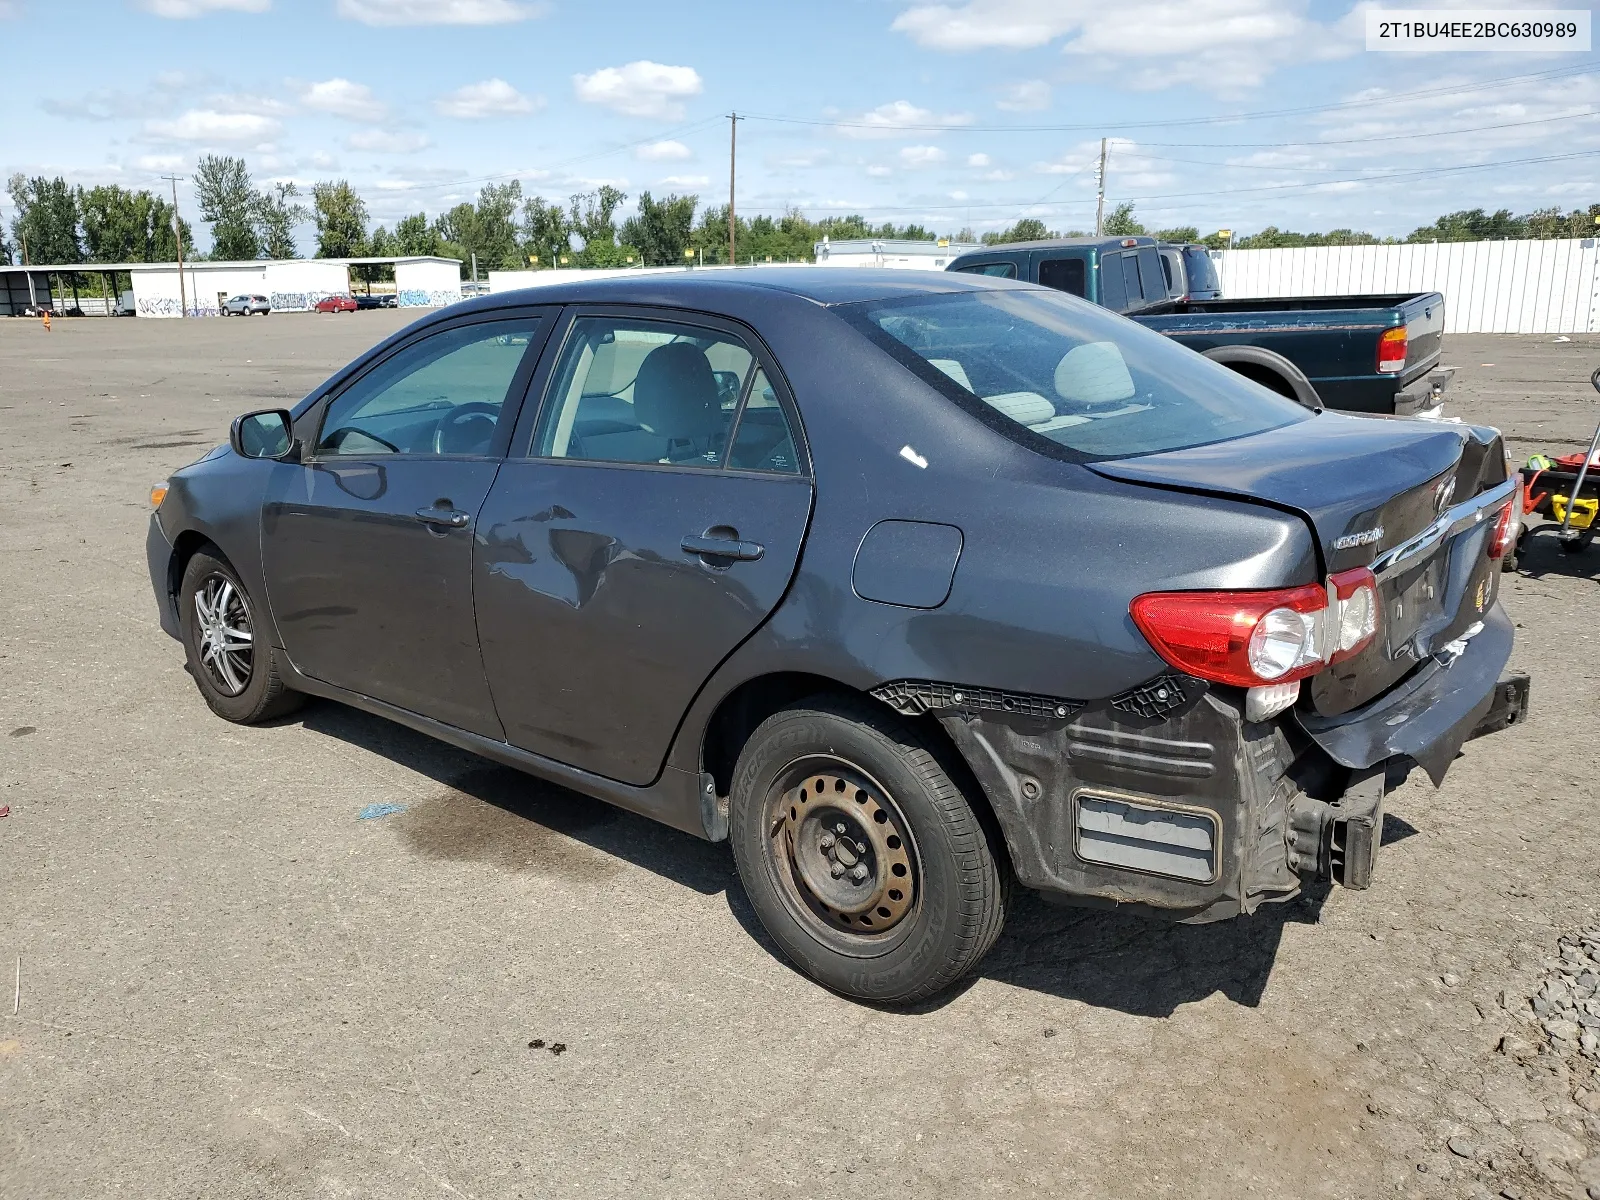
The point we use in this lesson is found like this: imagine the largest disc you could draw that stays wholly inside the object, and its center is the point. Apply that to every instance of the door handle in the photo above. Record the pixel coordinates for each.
(716, 547)
(449, 517)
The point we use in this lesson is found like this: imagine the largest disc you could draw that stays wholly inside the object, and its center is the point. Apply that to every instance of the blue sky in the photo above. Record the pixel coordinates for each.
(950, 114)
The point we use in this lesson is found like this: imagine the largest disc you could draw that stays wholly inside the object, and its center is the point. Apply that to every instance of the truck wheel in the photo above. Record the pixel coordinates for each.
(230, 659)
(861, 856)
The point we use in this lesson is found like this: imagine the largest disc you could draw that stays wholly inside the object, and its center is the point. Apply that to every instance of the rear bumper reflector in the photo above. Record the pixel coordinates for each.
(1140, 835)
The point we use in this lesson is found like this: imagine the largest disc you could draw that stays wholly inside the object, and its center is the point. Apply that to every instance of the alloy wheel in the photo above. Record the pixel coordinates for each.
(226, 638)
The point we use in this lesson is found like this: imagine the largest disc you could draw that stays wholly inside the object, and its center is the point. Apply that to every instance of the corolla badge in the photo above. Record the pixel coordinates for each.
(1362, 537)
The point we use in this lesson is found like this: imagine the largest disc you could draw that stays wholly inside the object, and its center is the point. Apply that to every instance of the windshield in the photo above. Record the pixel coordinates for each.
(1067, 378)
(1201, 271)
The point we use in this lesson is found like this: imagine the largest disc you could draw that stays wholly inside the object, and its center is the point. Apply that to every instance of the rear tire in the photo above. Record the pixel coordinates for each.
(861, 856)
(230, 658)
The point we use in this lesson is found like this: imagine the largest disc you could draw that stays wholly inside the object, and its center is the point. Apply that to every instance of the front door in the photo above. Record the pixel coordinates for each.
(654, 524)
(367, 542)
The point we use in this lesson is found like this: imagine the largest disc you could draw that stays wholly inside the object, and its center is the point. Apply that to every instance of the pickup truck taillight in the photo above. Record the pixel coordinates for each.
(1249, 639)
(1392, 350)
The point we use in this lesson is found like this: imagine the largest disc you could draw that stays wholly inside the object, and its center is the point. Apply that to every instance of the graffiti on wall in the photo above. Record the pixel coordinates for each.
(299, 301)
(171, 306)
(418, 298)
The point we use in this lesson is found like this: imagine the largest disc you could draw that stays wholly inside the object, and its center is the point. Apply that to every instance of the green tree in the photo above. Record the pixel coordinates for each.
(1471, 225)
(1028, 229)
(1120, 221)
(46, 224)
(592, 217)
(277, 214)
(228, 202)
(341, 217)
(124, 226)
(662, 228)
(413, 235)
(545, 236)
(1182, 234)
(497, 242)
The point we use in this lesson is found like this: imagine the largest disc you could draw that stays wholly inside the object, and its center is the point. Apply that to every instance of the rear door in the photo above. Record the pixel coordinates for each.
(646, 524)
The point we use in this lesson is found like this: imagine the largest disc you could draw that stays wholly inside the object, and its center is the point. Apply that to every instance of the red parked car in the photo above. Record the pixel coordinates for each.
(336, 304)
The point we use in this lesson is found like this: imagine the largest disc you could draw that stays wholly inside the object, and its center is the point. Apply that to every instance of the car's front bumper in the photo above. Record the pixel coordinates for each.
(1179, 805)
(158, 557)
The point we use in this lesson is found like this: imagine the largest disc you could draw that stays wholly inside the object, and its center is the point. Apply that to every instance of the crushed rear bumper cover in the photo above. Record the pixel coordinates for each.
(1189, 811)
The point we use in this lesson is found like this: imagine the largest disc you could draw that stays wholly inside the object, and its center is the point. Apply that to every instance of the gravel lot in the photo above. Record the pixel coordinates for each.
(231, 986)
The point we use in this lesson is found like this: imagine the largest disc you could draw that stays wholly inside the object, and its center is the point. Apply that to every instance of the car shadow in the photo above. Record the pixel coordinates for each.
(483, 812)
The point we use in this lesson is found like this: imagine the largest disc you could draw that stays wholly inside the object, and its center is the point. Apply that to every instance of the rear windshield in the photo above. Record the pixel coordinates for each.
(1067, 378)
(1201, 272)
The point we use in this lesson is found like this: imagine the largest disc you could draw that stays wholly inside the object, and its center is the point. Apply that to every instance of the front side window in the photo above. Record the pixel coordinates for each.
(638, 391)
(1067, 378)
(441, 395)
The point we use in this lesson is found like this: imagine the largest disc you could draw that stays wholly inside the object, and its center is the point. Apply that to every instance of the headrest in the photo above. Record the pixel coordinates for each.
(675, 393)
(1094, 373)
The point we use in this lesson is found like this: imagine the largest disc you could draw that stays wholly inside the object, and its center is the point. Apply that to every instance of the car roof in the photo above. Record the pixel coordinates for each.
(1142, 239)
(821, 285)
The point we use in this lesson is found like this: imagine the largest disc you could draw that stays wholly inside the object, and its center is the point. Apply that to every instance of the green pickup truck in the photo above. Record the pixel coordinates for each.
(1370, 354)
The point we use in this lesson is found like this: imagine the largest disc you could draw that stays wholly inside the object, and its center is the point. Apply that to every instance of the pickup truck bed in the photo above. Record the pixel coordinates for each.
(1368, 354)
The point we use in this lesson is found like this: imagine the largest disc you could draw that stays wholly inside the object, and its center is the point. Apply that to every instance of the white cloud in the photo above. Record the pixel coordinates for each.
(491, 98)
(667, 151)
(208, 125)
(342, 98)
(1029, 95)
(1221, 45)
(889, 119)
(438, 12)
(640, 89)
(244, 102)
(183, 9)
(977, 160)
(684, 181)
(387, 141)
(322, 160)
(159, 162)
(921, 156)
(878, 171)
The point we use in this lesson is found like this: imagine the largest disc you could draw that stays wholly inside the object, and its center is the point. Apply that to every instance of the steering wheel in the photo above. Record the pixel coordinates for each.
(466, 428)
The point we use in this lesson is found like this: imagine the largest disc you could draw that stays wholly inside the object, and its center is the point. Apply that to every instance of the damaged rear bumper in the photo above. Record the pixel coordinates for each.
(1186, 809)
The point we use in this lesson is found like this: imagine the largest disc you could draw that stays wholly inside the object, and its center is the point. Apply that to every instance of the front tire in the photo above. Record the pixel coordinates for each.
(860, 854)
(230, 659)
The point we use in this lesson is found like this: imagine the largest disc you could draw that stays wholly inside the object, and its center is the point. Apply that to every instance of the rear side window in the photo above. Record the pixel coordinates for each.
(1130, 279)
(1064, 274)
(1152, 284)
(1066, 378)
(1113, 293)
(998, 270)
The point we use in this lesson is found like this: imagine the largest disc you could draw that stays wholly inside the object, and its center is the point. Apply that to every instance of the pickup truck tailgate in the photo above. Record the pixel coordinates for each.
(1423, 317)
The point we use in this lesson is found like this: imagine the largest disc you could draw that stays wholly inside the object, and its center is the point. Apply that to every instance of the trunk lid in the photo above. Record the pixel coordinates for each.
(1369, 489)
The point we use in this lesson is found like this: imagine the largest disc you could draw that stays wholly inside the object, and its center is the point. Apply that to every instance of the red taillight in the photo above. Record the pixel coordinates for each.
(1242, 638)
(1248, 639)
(1505, 531)
(1392, 350)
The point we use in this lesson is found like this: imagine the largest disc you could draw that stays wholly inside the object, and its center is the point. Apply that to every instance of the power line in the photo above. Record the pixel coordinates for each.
(1226, 119)
(1362, 141)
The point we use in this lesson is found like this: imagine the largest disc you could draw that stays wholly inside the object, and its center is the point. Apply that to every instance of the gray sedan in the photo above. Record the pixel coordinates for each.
(906, 585)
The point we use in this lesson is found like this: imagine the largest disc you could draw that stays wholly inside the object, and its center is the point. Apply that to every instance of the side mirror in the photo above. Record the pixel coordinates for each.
(263, 434)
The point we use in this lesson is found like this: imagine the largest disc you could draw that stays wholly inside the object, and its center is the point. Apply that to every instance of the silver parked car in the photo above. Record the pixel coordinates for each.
(244, 306)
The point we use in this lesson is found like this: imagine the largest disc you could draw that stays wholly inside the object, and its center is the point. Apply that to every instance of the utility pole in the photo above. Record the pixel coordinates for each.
(177, 240)
(33, 294)
(733, 147)
(1100, 198)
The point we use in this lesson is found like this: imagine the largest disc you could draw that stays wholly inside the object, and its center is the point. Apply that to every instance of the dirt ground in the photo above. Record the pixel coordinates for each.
(231, 986)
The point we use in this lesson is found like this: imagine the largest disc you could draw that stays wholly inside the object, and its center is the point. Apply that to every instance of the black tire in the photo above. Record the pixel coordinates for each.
(262, 694)
(881, 780)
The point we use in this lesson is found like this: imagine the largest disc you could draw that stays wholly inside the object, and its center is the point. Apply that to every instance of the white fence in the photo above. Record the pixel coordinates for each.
(1489, 287)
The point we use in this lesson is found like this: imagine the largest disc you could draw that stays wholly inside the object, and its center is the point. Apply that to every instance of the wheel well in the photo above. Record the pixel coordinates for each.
(1265, 376)
(188, 544)
(752, 702)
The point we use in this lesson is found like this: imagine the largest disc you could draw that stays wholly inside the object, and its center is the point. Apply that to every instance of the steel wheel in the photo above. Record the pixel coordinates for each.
(841, 850)
(226, 637)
